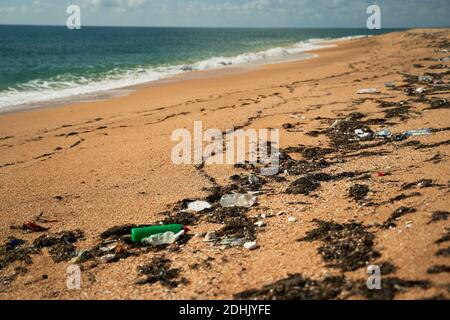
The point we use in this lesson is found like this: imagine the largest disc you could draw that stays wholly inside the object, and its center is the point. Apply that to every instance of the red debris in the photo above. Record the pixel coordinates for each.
(381, 174)
(33, 227)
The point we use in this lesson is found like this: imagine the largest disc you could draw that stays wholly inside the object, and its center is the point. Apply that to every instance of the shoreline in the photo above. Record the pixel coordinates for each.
(90, 167)
(122, 91)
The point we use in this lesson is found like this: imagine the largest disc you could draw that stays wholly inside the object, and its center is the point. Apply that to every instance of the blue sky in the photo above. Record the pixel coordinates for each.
(229, 13)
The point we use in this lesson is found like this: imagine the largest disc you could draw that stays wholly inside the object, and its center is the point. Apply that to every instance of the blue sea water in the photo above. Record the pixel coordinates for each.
(41, 63)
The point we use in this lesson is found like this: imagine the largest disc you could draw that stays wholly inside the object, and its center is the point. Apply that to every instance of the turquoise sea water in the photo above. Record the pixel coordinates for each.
(39, 63)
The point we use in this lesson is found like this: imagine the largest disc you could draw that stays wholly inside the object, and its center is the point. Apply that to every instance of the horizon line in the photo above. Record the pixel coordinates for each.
(219, 27)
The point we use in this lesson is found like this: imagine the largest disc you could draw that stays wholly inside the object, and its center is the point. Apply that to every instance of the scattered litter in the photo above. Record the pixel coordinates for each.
(210, 237)
(82, 256)
(385, 133)
(238, 200)
(251, 245)
(292, 219)
(381, 174)
(137, 234)
(426, 78)
(418, 132)
(198, 206)
(232, 242)
(108, 258)
(368, 91)
(260, 224)
(30, 226)
(254, 179)
(420, 90)
(389, 85)
(363, 134)
(13, 242)
(162, 238)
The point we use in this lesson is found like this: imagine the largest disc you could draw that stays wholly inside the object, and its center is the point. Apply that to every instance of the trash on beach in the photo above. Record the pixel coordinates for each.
(251, 245)
(292, 219)
(425, 78)
(159, 239)
(363, 134)
(418, 132)
(81, 257)
(446, 59)
(198, 206)
(210, 237)
(108, 258)
(385, 133)
(381, 174)
(260, 224)
(137, 234)
(238, 200)
(232, 242)
(368, 91)
(31, 226)
(411, 133)
(253, 179)
(420, 90)
(389, 84)
(12, 243)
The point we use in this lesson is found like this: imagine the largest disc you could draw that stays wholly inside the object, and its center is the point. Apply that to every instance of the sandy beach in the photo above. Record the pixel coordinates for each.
(357, 200)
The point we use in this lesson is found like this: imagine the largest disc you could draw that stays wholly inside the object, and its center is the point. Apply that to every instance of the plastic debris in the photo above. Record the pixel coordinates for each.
(251, 245)
(137, 234)
(232, 242)
(162, 238)
(238, 200)
(198, 206)
(210, 237)
(418, 132)
(425, 78)
(381, 174)
(254, 179)
(260, 224)
(363, 134)
(389, 84)
(81, 257)
(385, 133)
(368, 91)
(13, 243)
(33, 227)
(420, 90)
(292, 219)
(108, 258)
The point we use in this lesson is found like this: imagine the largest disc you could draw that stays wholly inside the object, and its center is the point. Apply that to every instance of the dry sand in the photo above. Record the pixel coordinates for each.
(92, 166)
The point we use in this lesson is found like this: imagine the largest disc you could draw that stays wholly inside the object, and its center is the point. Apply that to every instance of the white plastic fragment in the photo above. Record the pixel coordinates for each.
(367, 91)
(362, 134)
(260, 224)
(210, 236)
(238, 200)
(198, 206)
(251, 245)
(292, 219)
(162, 238)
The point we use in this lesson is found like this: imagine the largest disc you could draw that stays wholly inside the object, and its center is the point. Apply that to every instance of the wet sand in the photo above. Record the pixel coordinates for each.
(357, 202)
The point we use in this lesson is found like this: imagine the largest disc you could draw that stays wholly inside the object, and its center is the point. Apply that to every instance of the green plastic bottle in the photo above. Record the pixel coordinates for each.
(137, 234)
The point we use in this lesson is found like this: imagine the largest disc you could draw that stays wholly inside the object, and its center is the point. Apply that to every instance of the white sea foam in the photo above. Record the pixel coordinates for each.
(62, 87)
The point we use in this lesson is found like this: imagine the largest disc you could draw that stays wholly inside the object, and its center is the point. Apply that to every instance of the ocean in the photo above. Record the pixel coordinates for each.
(43, 63)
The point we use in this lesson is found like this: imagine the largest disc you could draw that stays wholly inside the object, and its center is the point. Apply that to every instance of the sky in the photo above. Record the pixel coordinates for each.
(229, 13)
